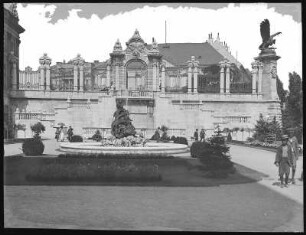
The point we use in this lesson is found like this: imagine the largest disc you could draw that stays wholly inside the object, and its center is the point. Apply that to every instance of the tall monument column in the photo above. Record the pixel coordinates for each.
(228, 74)
(254, 77)
(222, 66)
(117, 76)
(260, 68)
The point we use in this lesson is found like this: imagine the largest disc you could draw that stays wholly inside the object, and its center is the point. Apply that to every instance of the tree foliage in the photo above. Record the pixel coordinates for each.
(265, 128)
(38, 128)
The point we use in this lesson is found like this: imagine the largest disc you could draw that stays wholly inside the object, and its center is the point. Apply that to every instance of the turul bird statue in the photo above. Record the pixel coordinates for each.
(267, 39)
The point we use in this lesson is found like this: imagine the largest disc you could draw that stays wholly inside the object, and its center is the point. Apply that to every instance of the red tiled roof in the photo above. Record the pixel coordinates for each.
(180, 53)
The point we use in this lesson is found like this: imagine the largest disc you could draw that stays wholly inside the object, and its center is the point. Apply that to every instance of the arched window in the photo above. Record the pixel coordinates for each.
(136, 75)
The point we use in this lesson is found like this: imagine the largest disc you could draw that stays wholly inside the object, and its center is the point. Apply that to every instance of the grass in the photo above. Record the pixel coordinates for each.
(174, 172)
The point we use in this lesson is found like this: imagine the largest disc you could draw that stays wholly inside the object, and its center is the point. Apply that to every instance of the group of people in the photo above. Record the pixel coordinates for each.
(202, 135)
(60, 133)
(285, 159)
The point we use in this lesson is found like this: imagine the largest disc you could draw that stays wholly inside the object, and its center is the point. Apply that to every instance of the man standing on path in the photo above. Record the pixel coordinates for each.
(70, 133)
(283, 160)
(295, 154)
(196, 135)
(202, 135)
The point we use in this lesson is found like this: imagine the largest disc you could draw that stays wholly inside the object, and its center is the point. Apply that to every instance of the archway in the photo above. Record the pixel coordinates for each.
(136, 75)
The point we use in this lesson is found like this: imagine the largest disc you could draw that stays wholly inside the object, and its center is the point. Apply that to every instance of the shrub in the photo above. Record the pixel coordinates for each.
(38, 128)
(97, 136)
(97, 170)
(33, 147)
(76, 138)
(180, 140)
(173, 138)
(213, 155)
(250, 139)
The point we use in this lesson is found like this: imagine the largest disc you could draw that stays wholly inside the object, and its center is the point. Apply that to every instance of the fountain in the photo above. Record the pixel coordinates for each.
(124, 141)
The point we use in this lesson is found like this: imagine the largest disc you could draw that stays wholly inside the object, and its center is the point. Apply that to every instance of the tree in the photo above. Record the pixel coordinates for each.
(293, 113)
(261, 129)
(275, 128)
(282, 93)
(38, 128)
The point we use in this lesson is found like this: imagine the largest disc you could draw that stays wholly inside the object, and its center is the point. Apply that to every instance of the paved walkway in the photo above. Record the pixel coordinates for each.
(260, 206)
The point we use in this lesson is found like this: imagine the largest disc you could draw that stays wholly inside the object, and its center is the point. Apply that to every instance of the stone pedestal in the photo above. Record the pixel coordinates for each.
(268, 59)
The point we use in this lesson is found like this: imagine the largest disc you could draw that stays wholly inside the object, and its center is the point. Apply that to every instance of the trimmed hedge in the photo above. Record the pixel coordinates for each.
(33, 147)
(69, 169)
(97, 136)
(76, 138)
(108, 156)
(180, 140)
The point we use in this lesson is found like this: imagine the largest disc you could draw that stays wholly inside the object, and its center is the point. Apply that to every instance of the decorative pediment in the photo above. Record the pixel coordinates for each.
(136, 45)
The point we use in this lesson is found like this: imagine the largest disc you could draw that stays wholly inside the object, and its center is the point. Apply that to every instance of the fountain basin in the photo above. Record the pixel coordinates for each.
(151, 149)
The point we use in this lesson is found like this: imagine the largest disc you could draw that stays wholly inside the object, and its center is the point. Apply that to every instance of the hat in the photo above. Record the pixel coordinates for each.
(285, 137)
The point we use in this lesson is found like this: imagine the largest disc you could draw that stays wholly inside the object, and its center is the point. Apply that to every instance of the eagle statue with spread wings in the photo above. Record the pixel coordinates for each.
(267, 39)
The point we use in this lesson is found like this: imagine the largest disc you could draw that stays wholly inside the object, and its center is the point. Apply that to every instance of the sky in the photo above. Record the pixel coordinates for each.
(62, 30)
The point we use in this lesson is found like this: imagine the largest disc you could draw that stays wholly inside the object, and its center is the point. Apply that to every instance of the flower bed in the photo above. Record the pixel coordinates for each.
(124, 142)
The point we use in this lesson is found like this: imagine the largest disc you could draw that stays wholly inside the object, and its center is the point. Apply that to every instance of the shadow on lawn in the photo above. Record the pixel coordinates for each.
(176, 172)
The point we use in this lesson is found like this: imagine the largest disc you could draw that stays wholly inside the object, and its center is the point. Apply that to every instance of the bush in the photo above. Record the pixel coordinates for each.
(250, 139)
(97, 136)
(33, 147)
(180, 140)
(38, 128)
(198, 149)
(68, 169)
(76, 138)
(213, 155)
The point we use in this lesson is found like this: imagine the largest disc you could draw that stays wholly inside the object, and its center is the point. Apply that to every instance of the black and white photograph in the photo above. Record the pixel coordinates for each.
(153, 117)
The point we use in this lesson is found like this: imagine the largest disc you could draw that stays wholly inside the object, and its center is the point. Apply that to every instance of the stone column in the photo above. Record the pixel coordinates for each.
(48, 78)
(189, 85)
(14, 80)
(254, 77)
(260, 68)
(228, 74)
(195, 79)
(108, 76)
(81, 77)
(154, 76)
(117, 84)
(222, 66)
(75, 77)
(163, 79)
(42, 77)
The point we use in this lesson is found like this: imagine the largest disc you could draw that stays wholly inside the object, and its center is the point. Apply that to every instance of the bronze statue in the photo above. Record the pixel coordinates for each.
(122, 125)
(267, 39)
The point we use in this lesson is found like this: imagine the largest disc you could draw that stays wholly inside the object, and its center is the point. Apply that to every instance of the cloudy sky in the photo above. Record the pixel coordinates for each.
(65, 29)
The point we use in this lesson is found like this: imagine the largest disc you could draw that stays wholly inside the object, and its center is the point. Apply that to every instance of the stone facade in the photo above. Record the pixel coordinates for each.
(183, 86)
(12, 29)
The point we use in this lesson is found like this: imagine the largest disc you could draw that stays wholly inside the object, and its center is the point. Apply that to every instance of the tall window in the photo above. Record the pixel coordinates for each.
(136, 75)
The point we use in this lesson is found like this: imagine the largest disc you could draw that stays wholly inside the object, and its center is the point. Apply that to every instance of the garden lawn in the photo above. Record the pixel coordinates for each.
(174, 172)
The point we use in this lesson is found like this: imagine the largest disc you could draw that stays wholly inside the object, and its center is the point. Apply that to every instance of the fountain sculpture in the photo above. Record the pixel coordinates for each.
(124, 141)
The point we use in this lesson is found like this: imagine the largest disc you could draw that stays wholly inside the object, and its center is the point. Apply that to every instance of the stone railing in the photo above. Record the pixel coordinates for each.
(34, 116)
(133, 93)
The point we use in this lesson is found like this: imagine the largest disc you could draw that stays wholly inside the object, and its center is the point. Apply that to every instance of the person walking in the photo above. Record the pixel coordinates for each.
(196, 135)
(295, 153)
(202, 135)
(283, 160)
(62, 134)
(57, 133)
(70, 133)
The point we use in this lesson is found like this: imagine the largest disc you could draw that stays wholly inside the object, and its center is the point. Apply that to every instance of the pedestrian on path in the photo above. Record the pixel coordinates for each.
(196, 135)
(202, 135)
(70, 133)
(283, 160)
(62, 134)
(57, 134)
(295, 153)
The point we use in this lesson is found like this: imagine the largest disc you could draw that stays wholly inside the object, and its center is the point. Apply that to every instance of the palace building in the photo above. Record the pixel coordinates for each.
(183, 86)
